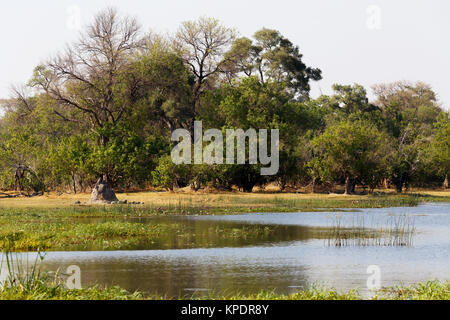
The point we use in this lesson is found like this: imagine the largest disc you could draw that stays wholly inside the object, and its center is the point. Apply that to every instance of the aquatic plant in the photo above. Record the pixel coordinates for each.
(398, 231)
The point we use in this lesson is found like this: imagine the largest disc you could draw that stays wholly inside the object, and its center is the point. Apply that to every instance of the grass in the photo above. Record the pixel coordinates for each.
(398, 231)
(221, 203)
(119, 235)
(42, 292)
(432, 290)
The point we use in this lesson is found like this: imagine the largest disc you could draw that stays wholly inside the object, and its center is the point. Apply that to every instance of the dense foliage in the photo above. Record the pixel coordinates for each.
(108, 104)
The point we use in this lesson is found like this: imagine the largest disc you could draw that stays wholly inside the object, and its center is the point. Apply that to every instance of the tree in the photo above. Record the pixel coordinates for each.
(128, 157)
(70, 161)
(168, 175)
(87, 80)
(165, 86)
(351, 99)
(350, 150)
(439, 148)
(409, 112)
(273, 58)
(27, 135)
(251, 104)
(90, 82)
(404, 103)
(203, 44)
(106, 106)
(21, 158)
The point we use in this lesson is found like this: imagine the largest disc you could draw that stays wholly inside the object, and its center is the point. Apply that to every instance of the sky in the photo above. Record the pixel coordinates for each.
(351, 41)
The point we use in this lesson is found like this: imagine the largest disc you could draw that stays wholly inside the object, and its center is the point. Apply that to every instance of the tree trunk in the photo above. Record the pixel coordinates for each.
(248, 180)
(74, 184)
(17, 186)
(353, 186)
(445, 185)
(80, 182)
(18, 176)
(348, 186)
(399, 187)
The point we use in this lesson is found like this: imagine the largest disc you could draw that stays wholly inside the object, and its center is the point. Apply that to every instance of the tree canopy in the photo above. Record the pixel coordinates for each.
(108, 103)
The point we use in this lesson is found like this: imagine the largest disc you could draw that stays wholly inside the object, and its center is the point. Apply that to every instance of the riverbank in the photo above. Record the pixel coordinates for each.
(185, 203)
(40, 290)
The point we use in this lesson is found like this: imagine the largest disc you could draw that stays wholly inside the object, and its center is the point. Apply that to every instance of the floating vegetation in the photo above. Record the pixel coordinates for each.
(399, 230)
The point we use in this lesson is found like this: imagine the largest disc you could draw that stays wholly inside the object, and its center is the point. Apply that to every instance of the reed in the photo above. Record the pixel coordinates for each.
(398, 231)
(21, 274)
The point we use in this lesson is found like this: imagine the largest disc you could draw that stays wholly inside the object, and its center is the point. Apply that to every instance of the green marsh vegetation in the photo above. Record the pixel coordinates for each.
(398, 230)
(123, 235)
(56, 224)
(431, 290)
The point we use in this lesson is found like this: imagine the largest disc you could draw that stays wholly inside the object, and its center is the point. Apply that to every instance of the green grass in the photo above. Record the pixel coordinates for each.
(432, 290)
(57, 292)
(22, 236)
(67, 234)
(313, 293)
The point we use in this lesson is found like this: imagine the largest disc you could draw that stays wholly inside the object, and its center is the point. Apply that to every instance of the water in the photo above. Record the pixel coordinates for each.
(294, 257)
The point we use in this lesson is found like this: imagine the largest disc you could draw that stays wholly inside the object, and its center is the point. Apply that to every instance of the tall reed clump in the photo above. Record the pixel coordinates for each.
(22, 275)
(22, 279)
(398, 231)
(17, 272)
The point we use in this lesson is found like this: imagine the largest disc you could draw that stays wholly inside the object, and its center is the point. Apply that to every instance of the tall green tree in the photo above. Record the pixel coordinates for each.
(439, 148)
(203, 44)
(251, 104)
(90, 82)
(272, 57)
(409, 113)
(350, 150)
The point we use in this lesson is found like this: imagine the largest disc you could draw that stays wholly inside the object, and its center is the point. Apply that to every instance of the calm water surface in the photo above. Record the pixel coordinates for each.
(294, 257)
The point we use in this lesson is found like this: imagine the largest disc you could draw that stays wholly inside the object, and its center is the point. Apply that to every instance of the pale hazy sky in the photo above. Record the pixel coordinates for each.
(360, 41)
